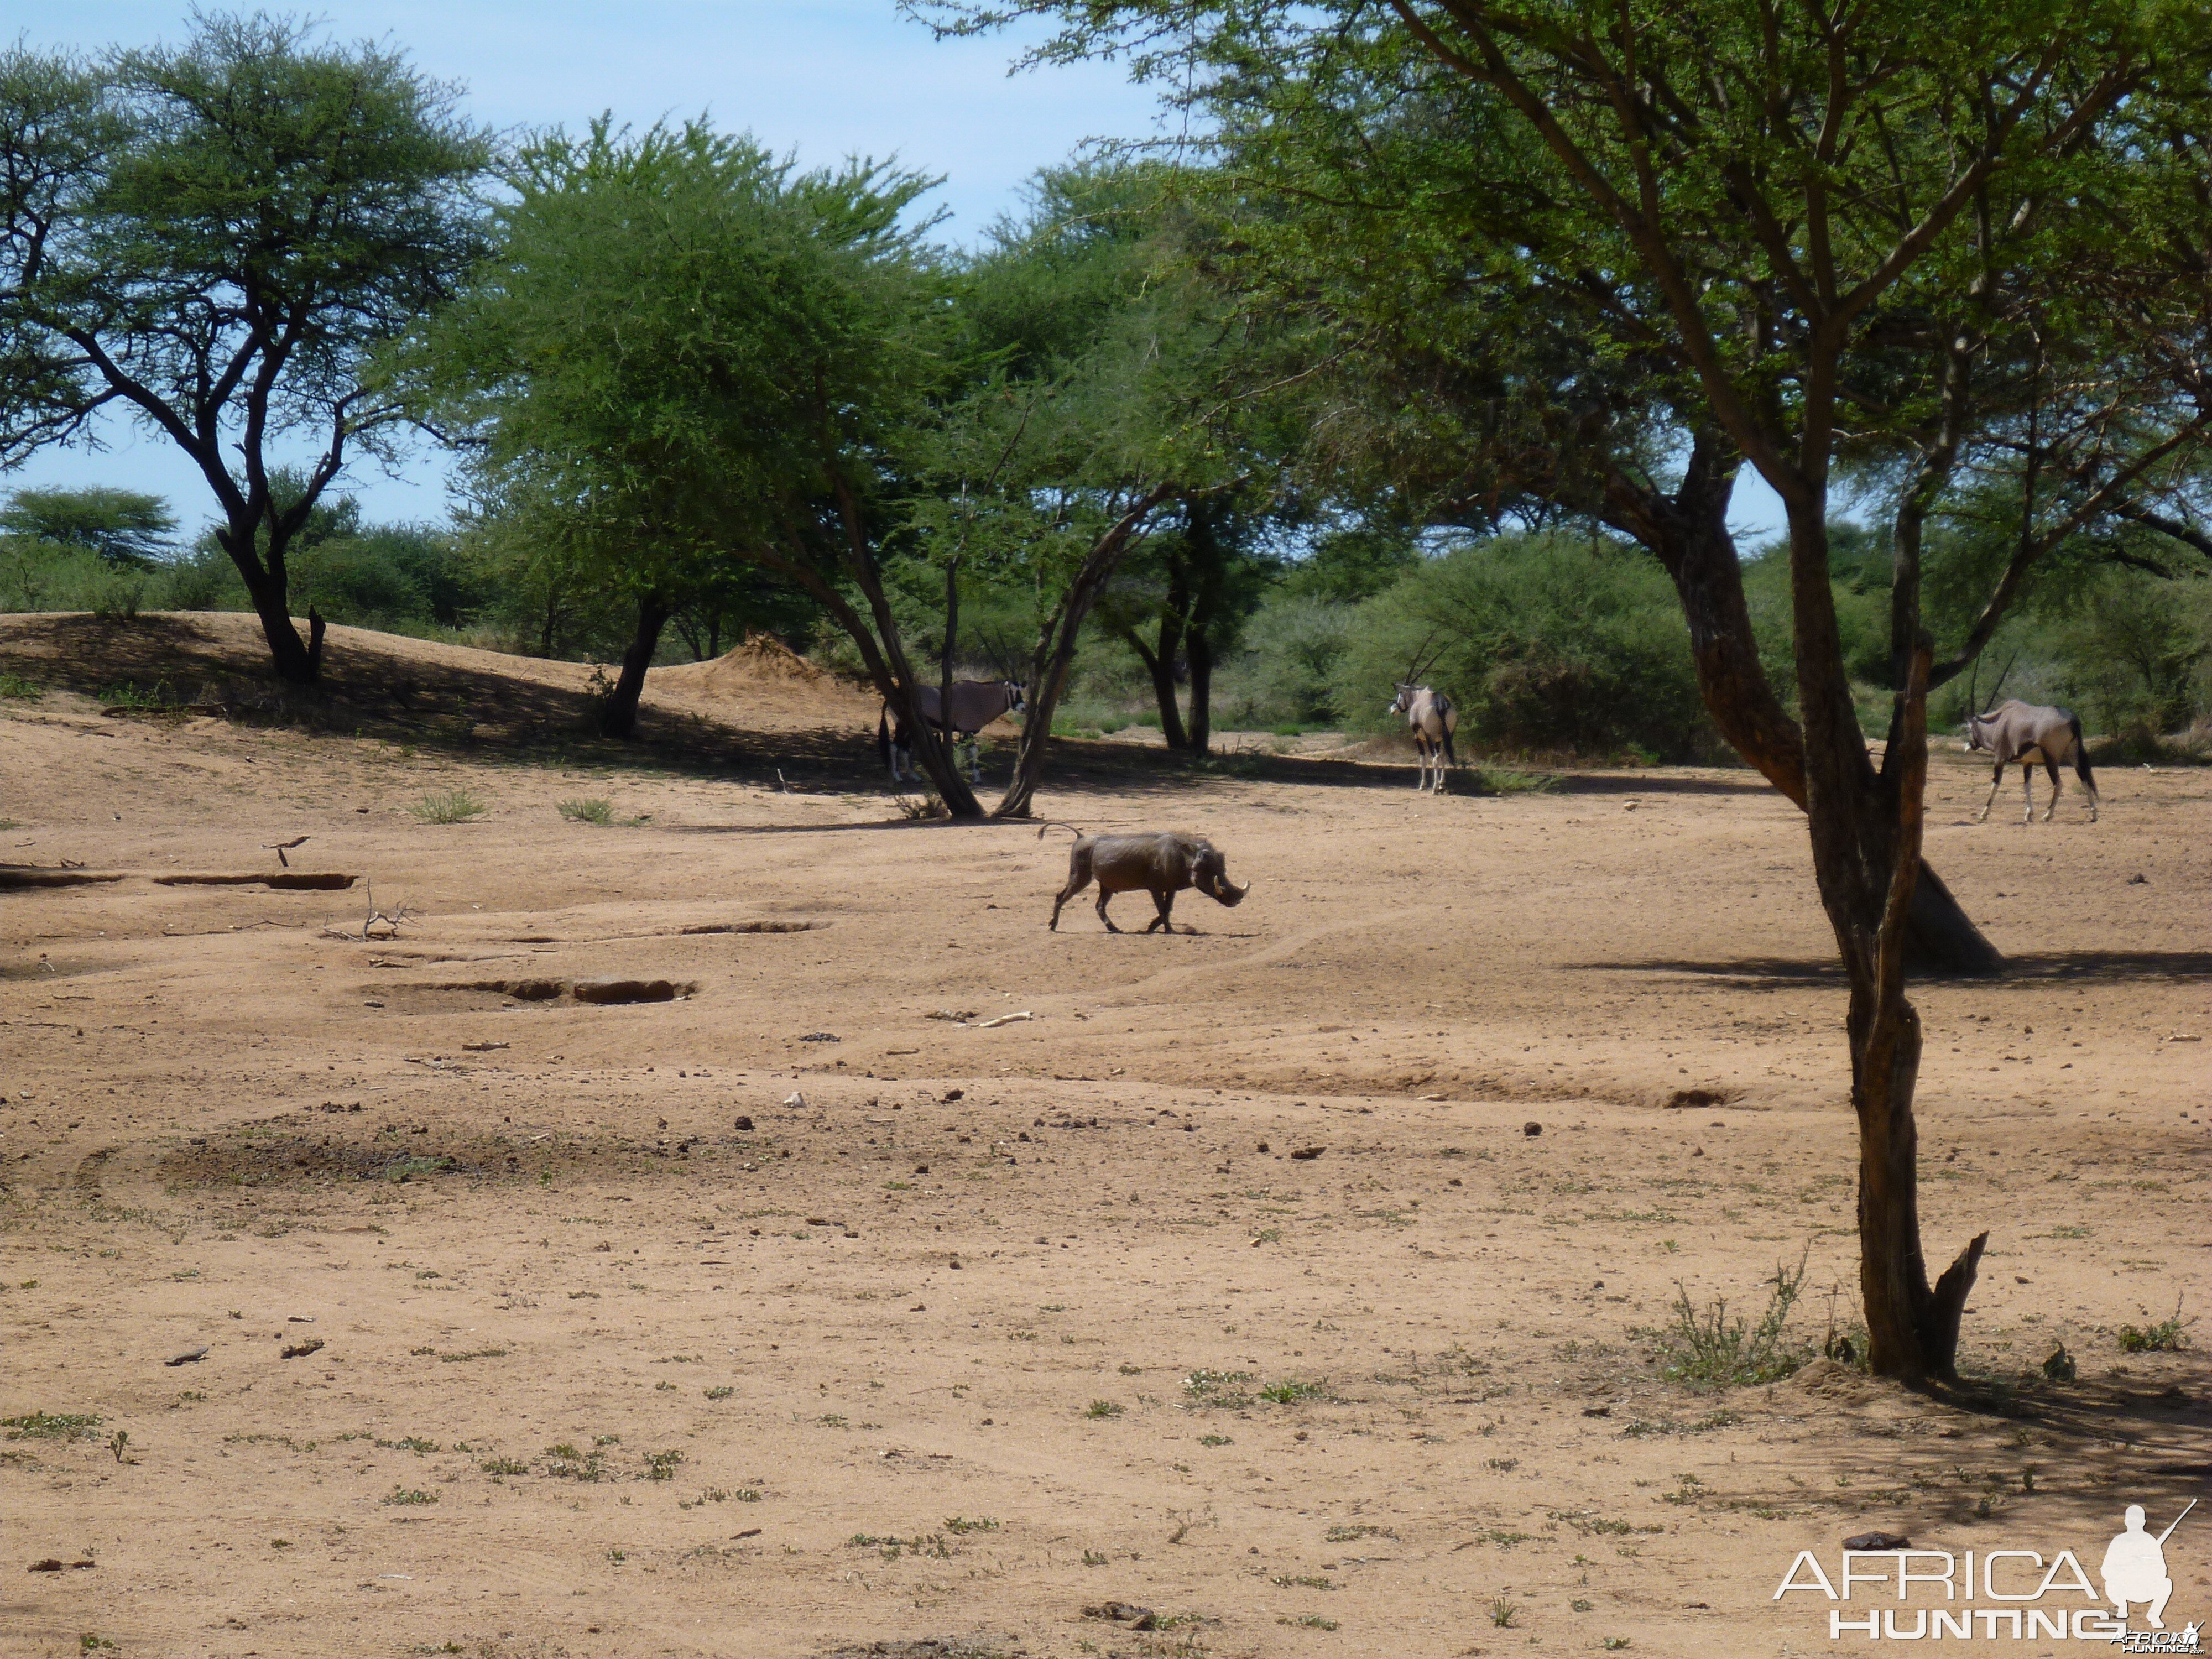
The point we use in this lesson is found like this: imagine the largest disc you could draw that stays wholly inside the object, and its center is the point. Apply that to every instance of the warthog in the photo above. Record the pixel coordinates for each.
(1161, 865)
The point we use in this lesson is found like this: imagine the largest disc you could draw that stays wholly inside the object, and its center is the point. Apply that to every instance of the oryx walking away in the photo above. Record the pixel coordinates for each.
(975, 704)
(2017, 731)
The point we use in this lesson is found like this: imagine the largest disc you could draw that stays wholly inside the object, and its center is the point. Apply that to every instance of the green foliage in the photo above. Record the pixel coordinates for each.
(1705, 1349)
(166, 204)
(1547, 643)
(1102, 1408)
(51, 1425)
(123, 526)
(592, 811)
(2168, 1335)
(448, 806)
(1290, 669)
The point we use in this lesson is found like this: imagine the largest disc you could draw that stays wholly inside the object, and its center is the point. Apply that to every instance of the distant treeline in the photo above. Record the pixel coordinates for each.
(1553, 643)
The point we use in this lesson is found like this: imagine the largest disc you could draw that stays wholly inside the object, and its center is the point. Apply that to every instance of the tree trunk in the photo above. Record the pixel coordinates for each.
(296, 662)
(1160, 665)
(1688, 533)
(618, 714)
(1055, 652)
(1866, 833)
(1199, 648)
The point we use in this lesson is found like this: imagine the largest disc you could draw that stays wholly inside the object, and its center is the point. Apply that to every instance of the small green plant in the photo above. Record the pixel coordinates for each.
(448, 806)
(1707, 1349)
(1502, 1612)
(1615, 1644)
(1311, 1621)
(1102, 1408)
(1289, 1391)
(564, 1463)
(591, 810)
(1093, 1558)
(403, 1495)
(16, 687)
(1352, 1533)
(503, 1466)
(129, 693)
(51, 1425)
(746, 1495)
(1218, 1388)
(92, 1641)
(961, 1523)
(720, 1394)
(1215, 1440)
(661, 1465)
(1580, 1604)
(2169, 1335)
(1289, 1581)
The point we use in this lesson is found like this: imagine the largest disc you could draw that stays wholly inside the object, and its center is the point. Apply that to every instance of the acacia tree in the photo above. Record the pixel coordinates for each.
(1764, 203)
(215, 240)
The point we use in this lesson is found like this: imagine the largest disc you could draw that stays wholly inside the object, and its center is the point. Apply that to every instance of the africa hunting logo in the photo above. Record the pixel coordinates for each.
(2133, 1573)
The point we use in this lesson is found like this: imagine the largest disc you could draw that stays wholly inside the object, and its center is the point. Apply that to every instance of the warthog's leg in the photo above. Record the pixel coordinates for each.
(1164, 904)
(1996, 782)
(1104, 893)
(1078, 878)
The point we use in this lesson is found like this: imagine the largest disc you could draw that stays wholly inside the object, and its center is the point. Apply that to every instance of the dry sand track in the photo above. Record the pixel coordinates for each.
(971, 1329)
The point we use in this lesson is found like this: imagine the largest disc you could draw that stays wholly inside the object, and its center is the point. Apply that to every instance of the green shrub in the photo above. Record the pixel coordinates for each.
(591, 811)
(1706, 1349)
(448, 806)
(1547, 643)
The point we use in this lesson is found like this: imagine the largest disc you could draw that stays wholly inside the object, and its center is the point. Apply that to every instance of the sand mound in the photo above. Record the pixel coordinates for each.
(1838, 1384)
(761, 675)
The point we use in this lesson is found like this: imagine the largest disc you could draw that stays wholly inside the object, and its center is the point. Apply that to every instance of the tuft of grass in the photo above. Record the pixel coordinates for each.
(503, 1466)
(1705, 1349)
(448, 806)
(1615, 1644)
(1311, 1621)
(1218, 1388)
(1502, 1612)
(591, 810)
(1215, 1440)
(1352, 1533)
(1289, 1391)
(1093, 1558)
(720, 1392)
(916, 809)
(16, 687)
(51, 1425)
(661, 1465)
(1504, 781)
(2169, 1335)
(961, 1523)
(403, 1495)
(129, 693)
(564, 1463)
(1102, 1408)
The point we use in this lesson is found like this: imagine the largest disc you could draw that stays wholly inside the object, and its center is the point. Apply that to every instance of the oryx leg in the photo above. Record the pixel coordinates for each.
(1996, 782)
(2028, 790)
(2051, 767)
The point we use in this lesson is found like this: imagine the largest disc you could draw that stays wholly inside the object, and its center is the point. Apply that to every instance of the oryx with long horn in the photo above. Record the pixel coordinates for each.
(1431, 718)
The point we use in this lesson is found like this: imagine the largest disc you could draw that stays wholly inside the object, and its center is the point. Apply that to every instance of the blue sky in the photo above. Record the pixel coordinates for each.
(826, 78)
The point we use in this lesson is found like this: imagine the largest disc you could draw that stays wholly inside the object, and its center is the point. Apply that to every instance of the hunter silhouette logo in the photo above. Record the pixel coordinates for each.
(2021, 1596)
(2134, 1567)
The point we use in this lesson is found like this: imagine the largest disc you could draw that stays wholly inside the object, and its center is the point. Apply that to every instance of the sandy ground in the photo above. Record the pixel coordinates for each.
(803, 1312)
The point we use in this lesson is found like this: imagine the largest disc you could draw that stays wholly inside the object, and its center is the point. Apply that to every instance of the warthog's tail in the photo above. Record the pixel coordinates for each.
(2081, 753)
(1055, 824)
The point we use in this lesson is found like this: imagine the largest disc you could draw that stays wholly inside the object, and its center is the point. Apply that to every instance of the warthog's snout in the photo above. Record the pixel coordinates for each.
(1228, 892)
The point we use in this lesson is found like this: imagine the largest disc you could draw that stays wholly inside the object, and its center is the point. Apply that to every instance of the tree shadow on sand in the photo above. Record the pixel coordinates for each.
(2117, 967)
